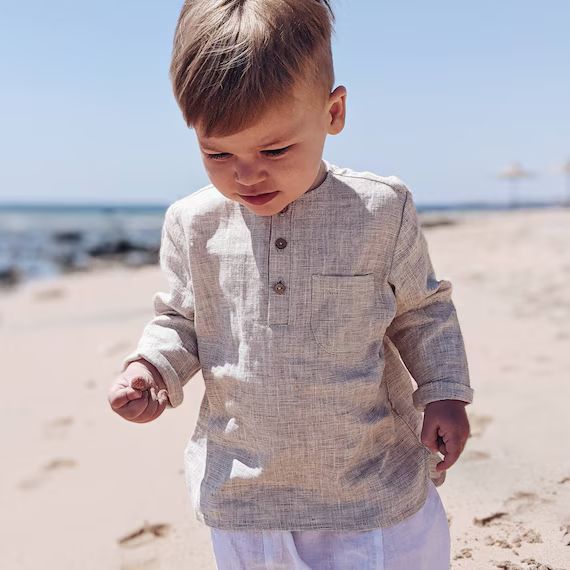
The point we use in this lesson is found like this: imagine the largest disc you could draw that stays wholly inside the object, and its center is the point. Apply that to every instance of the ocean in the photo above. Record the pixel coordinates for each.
(39, 241)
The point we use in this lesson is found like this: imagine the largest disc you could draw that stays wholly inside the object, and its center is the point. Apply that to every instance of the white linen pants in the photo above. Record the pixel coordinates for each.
(420, 542)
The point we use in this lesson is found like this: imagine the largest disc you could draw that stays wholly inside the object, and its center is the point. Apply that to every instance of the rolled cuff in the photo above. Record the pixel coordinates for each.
(173, 384)
(441, 390)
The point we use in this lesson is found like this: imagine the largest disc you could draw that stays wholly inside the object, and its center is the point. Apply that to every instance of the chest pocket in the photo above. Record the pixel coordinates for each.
(342, 311)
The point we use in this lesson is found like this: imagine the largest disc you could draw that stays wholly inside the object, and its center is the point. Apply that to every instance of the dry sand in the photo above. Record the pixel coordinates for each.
(83, 488)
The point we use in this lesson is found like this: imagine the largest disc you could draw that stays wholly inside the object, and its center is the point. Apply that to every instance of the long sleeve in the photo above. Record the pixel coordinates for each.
(425, 329)
(168, 340)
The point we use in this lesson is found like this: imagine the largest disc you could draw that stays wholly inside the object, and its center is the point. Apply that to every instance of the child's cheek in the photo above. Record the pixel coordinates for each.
(217, 173)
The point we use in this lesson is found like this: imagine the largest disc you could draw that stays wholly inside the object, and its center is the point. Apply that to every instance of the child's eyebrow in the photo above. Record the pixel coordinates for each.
(212, 144)
(284, 137)
(280, 140)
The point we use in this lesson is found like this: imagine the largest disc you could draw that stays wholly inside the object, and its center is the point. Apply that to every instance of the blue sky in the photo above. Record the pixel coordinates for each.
(443, 95)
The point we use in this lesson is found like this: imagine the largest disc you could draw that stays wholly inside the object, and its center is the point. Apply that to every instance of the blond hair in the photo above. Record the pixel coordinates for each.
(232, 58)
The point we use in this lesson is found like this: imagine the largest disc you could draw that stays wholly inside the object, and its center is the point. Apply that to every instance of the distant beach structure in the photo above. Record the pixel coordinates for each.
(514, 173)
(566, 172)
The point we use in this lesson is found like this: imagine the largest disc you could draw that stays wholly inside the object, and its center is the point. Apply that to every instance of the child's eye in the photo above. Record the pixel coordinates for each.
(277, 151)
(218, 156)
(272, 152)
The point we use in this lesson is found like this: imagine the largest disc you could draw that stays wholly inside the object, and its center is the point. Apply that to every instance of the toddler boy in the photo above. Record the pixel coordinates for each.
(306, 295)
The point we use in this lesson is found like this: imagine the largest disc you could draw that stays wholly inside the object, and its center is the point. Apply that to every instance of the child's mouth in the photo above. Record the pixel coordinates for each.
(261, 198)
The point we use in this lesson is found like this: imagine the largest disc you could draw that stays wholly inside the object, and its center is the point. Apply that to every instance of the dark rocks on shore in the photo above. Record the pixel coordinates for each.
(433, 221)
(121, 246)
(67, 253)
(126, 252)
(70, 236)
(9, 276)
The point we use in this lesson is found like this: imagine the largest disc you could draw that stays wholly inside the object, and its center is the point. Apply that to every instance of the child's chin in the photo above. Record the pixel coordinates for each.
(260, 211)
(264, 209)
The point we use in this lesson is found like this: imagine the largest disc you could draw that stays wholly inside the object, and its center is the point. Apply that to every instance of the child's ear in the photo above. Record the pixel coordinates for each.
(337, 110)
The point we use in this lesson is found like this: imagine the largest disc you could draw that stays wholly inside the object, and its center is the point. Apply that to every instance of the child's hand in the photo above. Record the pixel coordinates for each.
(139, 393)
(445, 429)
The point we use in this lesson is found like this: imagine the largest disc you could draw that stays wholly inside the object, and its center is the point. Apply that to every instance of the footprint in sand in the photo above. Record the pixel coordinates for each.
(533, 564)
(529, 535)
(522, 501)
(478, 424)
(511, 536)
(498, 542)
(146, 533)
(53, 465)
(530, 564)
(508, 565)
(486, 521)
(60, 463)
(464, 553)
(28, 484)
(58, 427)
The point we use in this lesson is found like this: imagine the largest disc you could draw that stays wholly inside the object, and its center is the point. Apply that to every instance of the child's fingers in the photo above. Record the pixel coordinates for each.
(451, 452)
(429, 436)
(140, 383)
(138, 399)
(135, 408)
(153, 410)
(121, 396)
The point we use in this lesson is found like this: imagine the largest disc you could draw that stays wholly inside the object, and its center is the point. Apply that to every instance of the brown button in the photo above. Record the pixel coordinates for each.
(284, 210)
(281, 243)
(279, 288)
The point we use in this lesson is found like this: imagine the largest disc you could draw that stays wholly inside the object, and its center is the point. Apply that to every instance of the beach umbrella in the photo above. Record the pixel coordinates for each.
(566, 172)
(514, 173)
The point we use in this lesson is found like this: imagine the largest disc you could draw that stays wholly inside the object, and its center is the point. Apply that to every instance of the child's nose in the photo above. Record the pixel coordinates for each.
(249, 174)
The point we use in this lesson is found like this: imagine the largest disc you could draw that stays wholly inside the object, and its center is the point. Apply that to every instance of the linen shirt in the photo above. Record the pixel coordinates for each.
(309, 326)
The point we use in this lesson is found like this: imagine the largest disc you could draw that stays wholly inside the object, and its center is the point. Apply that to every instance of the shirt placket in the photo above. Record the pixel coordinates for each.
(280, 268)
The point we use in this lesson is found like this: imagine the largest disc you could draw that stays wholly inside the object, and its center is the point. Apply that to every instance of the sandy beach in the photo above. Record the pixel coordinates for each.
(84, 489)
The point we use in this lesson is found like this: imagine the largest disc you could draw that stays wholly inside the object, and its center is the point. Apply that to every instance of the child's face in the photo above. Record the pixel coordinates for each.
(280, 155)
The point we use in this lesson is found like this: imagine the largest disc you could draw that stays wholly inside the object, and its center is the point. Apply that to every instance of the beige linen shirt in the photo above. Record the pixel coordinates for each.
(308, 326)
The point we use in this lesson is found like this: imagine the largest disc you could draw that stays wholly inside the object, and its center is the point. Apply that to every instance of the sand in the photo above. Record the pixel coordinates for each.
(83, 488)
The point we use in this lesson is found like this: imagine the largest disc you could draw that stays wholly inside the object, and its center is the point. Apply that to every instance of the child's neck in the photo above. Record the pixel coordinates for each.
(320, 177)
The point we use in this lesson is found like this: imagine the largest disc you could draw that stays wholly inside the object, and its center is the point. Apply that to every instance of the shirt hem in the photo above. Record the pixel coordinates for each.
(278, 523)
